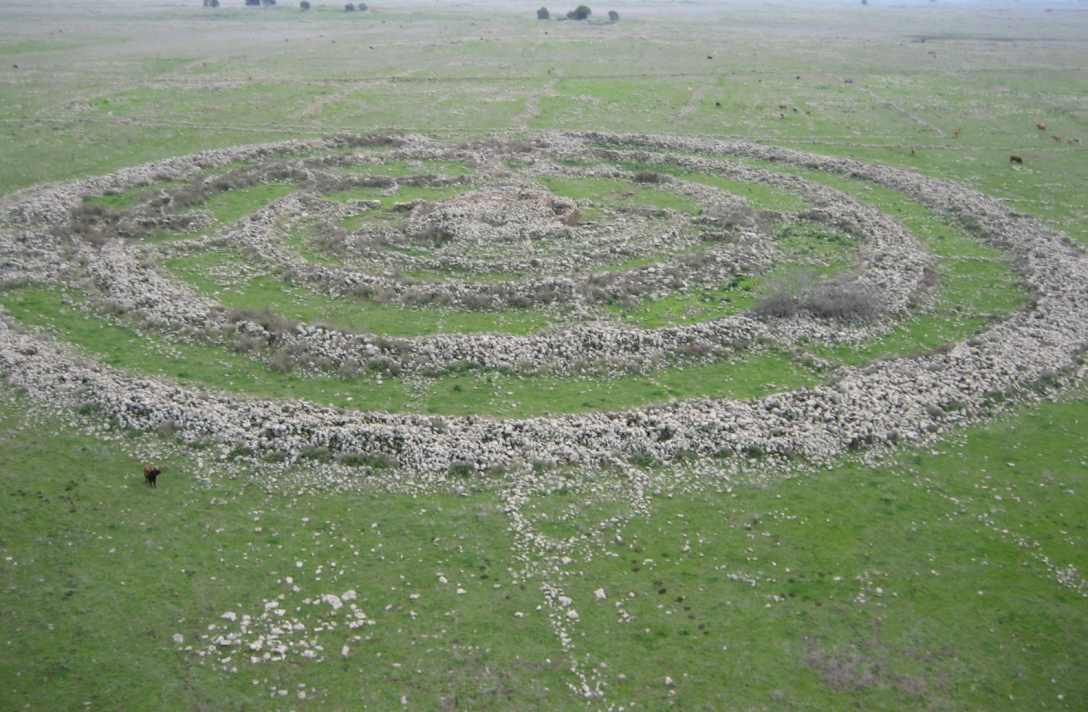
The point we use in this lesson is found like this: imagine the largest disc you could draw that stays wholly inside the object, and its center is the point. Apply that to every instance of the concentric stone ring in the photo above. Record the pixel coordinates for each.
(503, 205)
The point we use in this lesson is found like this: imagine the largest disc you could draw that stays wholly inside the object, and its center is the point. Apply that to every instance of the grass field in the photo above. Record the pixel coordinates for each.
(946, 576)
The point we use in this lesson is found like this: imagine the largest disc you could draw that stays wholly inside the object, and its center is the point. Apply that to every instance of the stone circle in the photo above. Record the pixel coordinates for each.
(500, 216)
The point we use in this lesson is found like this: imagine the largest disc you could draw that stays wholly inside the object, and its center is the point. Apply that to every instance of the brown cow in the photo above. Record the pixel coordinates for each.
(913, 152)
(1041, 127)
(1059, 139)
(782, 106)
(150, 473)
(1016, 159)
(957, 133)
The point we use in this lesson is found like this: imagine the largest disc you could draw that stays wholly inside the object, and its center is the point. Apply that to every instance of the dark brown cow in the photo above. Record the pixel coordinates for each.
(150, 473)
(1016, 159)
(1041, 127)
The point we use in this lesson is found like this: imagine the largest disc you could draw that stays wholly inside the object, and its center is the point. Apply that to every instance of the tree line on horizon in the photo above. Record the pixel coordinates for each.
(579, 13)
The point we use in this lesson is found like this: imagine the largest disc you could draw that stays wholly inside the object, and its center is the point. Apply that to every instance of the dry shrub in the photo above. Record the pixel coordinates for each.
(802, 292)
(648, 177)
(265, 317)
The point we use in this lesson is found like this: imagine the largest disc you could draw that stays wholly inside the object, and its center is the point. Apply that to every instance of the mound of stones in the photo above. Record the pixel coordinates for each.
(889, 401)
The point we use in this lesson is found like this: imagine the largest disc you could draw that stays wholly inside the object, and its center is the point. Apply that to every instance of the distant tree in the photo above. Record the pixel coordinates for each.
(361, 6)
(268, 3)
(304, 5)
(211, 3)
(864, 2)
(613, 16)
(350, 7)
(543, 14)
(579, 13)
(253, 2)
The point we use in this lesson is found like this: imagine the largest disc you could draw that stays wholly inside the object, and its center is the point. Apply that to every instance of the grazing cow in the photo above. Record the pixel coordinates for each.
(1041, 127)
(150, 473)
(913, 152)
(782, 106)
(717, 105)
(1059, 139)
(957, 132)
(1016, 159)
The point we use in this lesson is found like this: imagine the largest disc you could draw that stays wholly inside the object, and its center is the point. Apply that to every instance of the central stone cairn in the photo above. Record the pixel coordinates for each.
(494, 215)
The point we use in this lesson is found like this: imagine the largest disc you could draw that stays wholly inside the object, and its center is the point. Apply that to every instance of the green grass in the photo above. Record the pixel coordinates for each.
(102, 569)
(760, 197)
(234, 205)
(123, 346)
(615, 193)
(693, 307)
(960, 600)
(124, 199)
(351, 313)
(816, 244)
(411, 168)
(512, 396)
(625, 104)
(107, 570)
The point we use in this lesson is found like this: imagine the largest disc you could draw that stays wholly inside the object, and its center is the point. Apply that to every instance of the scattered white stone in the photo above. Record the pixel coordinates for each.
(600, 594)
